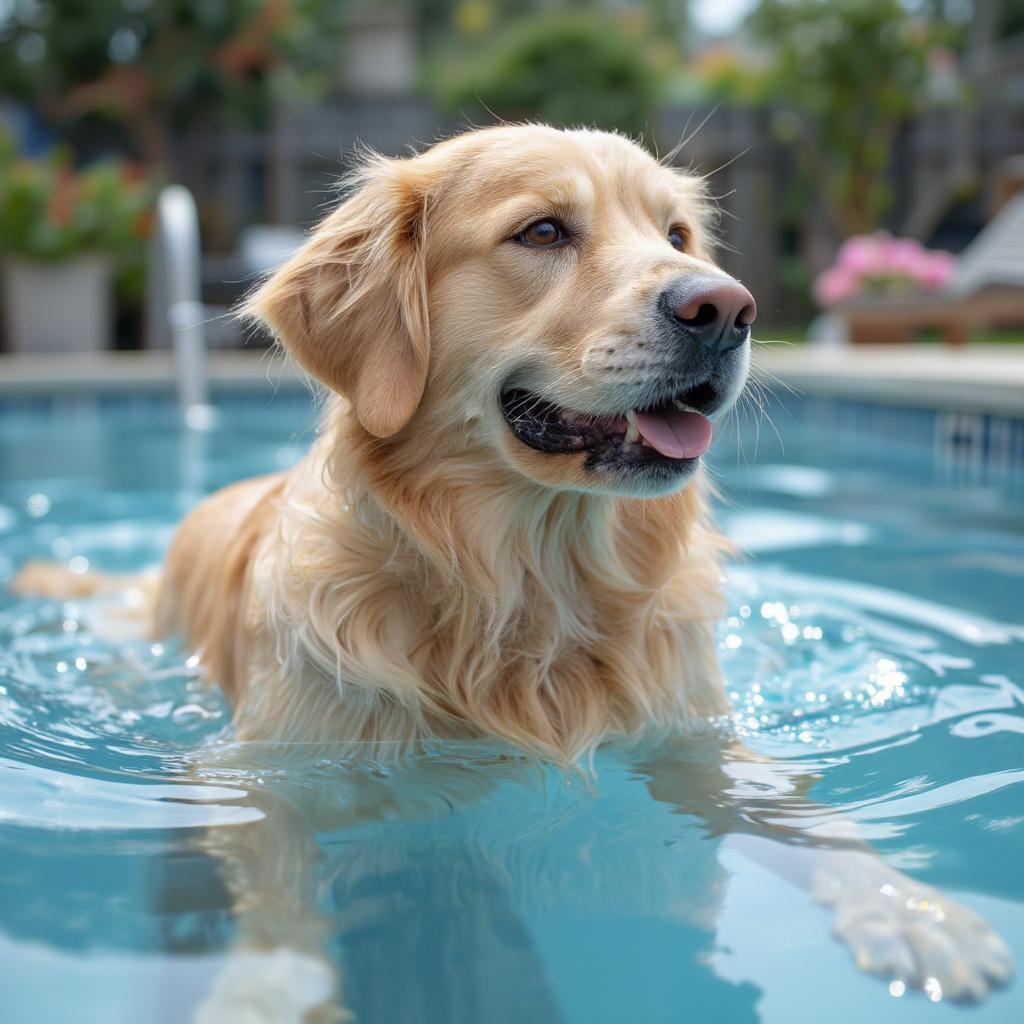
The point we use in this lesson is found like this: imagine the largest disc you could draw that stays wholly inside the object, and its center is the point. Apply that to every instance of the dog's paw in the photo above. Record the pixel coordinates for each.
(277, 987)
(910, 932)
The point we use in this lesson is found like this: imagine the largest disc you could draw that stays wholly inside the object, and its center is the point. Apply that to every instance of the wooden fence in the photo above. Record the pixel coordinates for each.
(289, 174)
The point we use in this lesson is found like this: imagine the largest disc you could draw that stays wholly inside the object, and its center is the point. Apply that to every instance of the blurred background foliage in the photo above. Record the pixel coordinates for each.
(818, 119)
(49, 211)
(150, 67)
(842, 78)
(566, 69)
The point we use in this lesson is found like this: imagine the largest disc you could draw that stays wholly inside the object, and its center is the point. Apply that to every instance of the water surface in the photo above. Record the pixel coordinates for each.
(874, 639)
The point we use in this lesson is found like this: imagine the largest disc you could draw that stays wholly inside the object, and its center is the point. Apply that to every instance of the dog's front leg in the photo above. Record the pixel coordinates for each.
(277, 970)
(894, 926)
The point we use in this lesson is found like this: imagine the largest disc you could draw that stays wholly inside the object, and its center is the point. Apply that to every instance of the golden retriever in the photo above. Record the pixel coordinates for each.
(502, 529)
(492, 534)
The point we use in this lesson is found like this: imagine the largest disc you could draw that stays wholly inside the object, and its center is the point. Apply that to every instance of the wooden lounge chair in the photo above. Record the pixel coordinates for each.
(985, 291)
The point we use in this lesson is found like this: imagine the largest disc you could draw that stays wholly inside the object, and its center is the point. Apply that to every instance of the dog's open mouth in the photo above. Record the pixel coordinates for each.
(674, 431)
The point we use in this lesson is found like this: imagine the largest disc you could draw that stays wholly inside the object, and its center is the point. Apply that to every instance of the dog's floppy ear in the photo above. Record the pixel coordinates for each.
(351, 304)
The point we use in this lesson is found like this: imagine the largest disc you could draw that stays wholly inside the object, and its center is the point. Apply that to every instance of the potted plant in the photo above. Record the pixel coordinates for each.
(65, 237)
(876, 279)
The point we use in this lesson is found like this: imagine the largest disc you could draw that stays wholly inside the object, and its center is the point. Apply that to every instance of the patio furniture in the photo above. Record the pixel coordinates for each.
(985, 291)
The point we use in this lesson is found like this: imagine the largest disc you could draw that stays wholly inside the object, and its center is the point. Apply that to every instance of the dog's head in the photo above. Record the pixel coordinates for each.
(546, 297)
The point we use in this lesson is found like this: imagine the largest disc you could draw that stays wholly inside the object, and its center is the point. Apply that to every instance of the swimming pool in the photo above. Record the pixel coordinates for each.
(874, 637)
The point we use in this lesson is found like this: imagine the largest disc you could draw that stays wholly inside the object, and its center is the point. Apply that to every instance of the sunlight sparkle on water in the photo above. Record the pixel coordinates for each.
(37, 505)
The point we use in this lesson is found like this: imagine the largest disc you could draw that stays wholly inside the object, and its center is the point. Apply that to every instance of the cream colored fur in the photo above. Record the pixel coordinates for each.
(422, 573)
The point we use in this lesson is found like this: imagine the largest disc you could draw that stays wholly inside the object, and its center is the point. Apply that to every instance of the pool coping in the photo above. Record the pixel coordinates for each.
(976, 379)
(112, 373)
(981, 379)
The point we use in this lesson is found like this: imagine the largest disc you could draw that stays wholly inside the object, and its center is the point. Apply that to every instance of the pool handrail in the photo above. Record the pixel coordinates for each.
(175, 311)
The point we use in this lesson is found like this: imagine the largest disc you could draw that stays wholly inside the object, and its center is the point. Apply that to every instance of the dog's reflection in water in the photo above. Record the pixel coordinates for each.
(468, 888)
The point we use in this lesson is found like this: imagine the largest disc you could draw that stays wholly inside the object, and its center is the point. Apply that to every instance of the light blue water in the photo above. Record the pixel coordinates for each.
(874, 637)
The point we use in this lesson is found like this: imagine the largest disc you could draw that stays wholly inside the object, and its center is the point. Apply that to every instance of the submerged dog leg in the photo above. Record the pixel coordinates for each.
(278, 970)
(135, 592)
(120, 606)
(894, 926)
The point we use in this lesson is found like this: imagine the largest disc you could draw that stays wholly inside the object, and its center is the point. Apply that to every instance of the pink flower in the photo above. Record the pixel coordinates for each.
(881, 263)
(902, 256)
(860, 254)
(939, 268)
(835, 285)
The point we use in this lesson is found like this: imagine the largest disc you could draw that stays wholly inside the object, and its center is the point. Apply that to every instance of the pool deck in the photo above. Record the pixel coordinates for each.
(134, 372)
(979, 378)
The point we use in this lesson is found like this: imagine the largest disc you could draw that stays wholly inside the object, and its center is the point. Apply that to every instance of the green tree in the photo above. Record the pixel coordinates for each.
(150, 64)
(564, 68)
(844, 76)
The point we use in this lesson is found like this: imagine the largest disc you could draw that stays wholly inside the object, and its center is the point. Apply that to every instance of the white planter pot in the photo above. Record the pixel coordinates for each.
(57, 307)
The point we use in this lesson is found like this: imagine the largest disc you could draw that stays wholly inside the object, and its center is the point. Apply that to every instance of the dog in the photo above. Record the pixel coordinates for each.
(502, 530)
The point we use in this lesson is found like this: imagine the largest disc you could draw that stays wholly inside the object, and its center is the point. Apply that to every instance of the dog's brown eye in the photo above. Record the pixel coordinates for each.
(677, 239)
(544, 234)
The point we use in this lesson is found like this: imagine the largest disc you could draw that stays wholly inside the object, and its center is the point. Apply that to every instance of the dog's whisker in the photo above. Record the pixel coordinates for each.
(762, 391)
(728, 163)
(758, 372)
(687, 139)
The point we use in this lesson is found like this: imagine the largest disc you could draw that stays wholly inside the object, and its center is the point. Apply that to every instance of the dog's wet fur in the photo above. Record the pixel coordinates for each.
(481, 543)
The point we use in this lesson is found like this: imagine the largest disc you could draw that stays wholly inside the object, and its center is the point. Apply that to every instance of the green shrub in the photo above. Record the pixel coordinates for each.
(50, 212)
(564, 69)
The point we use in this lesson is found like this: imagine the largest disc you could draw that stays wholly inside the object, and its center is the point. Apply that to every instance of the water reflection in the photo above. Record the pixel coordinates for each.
(470, 885)
(866, 646)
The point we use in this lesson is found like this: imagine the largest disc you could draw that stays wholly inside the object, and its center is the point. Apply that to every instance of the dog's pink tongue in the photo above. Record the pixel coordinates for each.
(676, 434)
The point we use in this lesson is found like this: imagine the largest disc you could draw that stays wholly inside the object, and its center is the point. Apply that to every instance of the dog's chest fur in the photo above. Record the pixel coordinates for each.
(551, 621)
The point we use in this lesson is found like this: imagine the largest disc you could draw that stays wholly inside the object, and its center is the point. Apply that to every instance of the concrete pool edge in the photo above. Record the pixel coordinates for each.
(976, 379)
(132, 373)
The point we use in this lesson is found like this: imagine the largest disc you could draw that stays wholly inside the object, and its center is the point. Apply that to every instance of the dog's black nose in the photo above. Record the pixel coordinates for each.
(715, 311)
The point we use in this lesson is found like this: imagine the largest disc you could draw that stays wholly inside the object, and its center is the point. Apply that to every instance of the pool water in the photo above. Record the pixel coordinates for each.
(874, 638)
